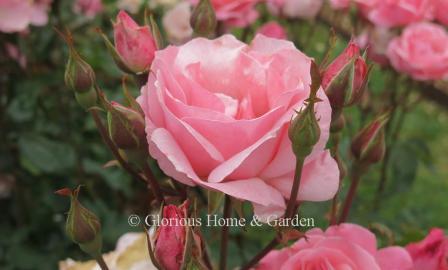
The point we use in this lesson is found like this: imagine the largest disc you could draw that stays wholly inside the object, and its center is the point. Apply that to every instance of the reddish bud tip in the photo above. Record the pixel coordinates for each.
(64, 192)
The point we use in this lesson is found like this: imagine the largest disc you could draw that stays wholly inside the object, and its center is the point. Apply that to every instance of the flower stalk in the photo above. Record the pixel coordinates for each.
(225, 233)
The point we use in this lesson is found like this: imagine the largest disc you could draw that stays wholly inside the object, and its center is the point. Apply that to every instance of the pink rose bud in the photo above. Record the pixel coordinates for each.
(203, 19)
(170, 239)
(368, 145)
(273, 30)
(432, 252)
(126, 127)
(345, 78)
(135, 44)
(82, 226)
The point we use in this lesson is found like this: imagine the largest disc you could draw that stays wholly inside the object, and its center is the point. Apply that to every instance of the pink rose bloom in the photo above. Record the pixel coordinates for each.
(340, 4)
(441, 11)
(391, 13)
(303, 9)
(344, 246)
(135, 44)
(272, 29)
(16, 15)
(421, 52)
(176, 23)
(89, 8)
(217, 114)
(238, 13)
(431, 253)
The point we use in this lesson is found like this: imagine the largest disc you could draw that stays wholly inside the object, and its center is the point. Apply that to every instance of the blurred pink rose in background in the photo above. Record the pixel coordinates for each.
(132, 6)
(238, 13)
(431, 253)
(303, 9)
(14, 53)
(376, 40)
(391, 13)
(176, 23)
(135, 44)
(89, 8)
(421, 51)
(217, 114)
(441, 11)
(340, 4)
(16, 15)
(344, 246)
(272, 29)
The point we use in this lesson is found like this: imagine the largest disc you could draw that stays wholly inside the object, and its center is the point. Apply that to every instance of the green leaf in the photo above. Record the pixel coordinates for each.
(114, 177)
(404, 164)
(41, 155)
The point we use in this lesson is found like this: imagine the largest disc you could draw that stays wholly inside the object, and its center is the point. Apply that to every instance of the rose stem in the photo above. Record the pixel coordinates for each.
(334, 202)
(357, 171)
(102, 263)
(290, 210)
(225, 233)
(393, 139)
(112, 147)
(295, 188)
(274, 242)
(152, 182)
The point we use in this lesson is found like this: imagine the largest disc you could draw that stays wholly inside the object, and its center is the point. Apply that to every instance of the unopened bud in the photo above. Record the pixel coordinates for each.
(126, 127)
(344, 80)
(304, 130)
(82, 226)
(203, 19)
(176, 245)
(369, 145)
(134, 44)
(79, 75)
